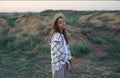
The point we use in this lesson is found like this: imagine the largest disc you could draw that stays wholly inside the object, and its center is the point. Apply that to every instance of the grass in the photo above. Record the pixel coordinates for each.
(36, 39)
(105, 19)
(39, 26)
(15, 62)
(96, 39)
(92, 35)
(20, 65)
(18, 30)
(114, 51)
(81, 48)
(4, 30)
(5, 39)
(117, 23)
(10, 19)
(111, 39)
(106, 67)
(86, 31)
(71, 19)
(19, 45)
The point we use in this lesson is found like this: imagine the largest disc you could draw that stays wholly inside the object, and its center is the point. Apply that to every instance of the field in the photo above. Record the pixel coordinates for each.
(25, 48)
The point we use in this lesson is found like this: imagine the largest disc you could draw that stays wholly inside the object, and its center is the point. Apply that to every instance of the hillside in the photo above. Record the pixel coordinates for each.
(94, 36)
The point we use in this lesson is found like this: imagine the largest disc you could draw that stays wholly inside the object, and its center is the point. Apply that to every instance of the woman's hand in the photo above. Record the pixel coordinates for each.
(72, 65)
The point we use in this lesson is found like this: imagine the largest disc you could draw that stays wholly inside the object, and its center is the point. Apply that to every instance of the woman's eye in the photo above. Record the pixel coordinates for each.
(61, 22)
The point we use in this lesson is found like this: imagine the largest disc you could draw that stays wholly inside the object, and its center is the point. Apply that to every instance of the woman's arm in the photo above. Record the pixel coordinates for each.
(72, 64)
(59, 51)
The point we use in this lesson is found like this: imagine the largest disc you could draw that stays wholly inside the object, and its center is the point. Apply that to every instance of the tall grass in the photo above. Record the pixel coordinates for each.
(4, 30)
(92, 35)
(10, 19)
(117, 23)
(20, 45)
(87, 31)
(81, 48)
(111, 39)
(96, 39)
(39, 26)
(71, 19)
(114, 51)
(5, 39)
(37, 39)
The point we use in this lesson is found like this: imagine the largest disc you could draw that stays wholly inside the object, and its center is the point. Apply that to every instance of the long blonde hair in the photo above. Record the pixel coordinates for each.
(56, 29)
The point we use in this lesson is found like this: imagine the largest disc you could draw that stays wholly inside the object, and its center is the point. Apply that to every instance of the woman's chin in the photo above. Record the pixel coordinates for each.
(63, 27)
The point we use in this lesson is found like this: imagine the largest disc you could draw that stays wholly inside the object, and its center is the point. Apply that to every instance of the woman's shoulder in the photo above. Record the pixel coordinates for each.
(57, 33)
(56, 36)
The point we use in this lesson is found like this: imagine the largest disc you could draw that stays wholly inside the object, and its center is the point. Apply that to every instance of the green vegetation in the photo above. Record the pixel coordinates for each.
(114, 51)
(96, 39)
(117, 23)
(111, 39)
(39, 26)
(4, 40)
(92, 35)
(10, 19)
(105, 19)
(29, 55)
(4, 30)
(81, 48)
(87, 31)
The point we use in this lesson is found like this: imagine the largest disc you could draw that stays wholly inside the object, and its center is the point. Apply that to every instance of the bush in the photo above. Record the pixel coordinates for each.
(4, 31)
(93, 36)
(71, 19)
(40, 26)
(16, 45)
(111, 39)
(96, 39)
(86, 31)
(114, 51)
(44, 49)
(80, 48)
(10, 20)
(37, 39)
(20, 45)
(117, 23)
(5, 39)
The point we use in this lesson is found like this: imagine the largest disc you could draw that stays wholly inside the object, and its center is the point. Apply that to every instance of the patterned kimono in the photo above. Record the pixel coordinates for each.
(60, 56)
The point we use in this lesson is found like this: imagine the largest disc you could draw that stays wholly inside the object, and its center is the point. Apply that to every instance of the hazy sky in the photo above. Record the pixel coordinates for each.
(37, 6)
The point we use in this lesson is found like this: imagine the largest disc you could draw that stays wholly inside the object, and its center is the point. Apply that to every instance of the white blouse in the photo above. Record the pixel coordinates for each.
(60, 52)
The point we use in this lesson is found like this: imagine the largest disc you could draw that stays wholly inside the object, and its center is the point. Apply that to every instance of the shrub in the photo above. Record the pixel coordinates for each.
(37, 39)
(117, 23)
(111, 39)
(5, 39)
(86, 31)
(114, 51)
(20, 45)
(96, 39)
(44, 49)
(18, 30)
(71, 19)
(40, 26)
(16, 45)
(80, 48)
(11, 20)
(4, 31)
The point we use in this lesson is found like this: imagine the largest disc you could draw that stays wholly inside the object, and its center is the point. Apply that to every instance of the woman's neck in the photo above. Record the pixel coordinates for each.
(61, 31)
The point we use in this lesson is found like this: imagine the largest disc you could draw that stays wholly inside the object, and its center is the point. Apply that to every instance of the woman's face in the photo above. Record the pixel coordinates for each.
(61, 23)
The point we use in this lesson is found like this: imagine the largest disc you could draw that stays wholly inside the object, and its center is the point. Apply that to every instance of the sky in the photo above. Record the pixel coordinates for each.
(38, 6)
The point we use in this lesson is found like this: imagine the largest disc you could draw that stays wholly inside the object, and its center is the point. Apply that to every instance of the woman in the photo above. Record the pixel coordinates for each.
(60, 52)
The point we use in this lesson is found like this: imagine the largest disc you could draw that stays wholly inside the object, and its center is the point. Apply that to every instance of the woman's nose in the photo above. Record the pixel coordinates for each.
(64, 23)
